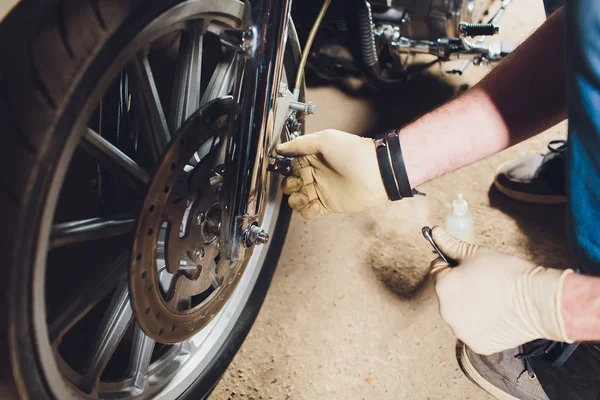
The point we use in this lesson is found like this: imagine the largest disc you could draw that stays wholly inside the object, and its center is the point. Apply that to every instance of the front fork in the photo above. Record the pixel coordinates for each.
(260, 49)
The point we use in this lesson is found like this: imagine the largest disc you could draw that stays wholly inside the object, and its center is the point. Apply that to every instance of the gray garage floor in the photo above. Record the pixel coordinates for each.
(329, 328)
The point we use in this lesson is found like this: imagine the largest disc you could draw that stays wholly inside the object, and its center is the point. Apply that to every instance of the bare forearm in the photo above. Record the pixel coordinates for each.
(523, 96)
(580, 307)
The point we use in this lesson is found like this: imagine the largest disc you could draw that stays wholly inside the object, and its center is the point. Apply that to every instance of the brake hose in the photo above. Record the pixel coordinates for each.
(309, 41)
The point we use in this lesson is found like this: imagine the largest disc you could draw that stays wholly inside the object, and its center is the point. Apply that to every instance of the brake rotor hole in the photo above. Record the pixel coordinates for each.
(138, 257)
(147, 310)
(151, 208)
(150, 232)
(160, 333)
(150, 287)
(173, 165)
(166, 189)
(144, 275)
(173, 328)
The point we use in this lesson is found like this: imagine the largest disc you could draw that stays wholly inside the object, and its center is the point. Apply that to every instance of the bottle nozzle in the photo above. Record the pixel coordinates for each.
(460, 206)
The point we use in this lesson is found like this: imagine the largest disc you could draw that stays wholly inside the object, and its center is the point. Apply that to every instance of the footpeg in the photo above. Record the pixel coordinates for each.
(472, 30)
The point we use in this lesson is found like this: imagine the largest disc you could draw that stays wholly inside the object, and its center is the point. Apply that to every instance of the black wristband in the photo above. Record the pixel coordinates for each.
(393, 142)
(385, 169)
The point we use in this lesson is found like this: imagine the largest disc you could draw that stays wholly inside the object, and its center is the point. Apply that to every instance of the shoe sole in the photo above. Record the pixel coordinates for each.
(528, 197)
(471, 373)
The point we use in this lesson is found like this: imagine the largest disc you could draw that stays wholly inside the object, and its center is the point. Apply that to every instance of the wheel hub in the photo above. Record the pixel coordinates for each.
(178, 281)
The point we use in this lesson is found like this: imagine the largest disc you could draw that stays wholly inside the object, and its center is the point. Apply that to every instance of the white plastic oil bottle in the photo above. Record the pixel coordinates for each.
(459, 222)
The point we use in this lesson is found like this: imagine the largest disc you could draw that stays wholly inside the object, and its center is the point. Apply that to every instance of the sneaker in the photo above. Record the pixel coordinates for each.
(538, 179)
(502, 375)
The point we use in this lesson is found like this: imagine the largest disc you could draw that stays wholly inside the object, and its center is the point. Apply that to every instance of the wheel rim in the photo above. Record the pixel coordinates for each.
(165, 372)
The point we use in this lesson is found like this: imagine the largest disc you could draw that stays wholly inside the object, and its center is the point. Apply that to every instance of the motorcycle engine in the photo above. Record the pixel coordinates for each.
(336, 47)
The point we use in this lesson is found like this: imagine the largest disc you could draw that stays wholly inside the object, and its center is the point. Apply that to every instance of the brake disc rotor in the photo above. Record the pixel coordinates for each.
(177, 280)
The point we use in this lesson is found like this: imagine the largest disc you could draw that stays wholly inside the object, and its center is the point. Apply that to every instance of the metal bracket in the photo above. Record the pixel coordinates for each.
(282, 110)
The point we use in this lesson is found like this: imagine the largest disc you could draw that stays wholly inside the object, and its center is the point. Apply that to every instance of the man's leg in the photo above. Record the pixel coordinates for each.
(577, 378)
(539, 178)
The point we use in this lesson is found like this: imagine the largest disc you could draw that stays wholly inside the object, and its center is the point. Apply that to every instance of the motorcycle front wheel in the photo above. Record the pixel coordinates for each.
(96, 97)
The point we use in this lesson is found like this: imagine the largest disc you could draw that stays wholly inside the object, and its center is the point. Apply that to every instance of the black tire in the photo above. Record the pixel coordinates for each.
(52, 54)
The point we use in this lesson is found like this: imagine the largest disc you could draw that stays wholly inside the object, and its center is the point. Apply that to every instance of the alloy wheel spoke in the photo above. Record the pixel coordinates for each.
(119, 164)
(115, 322)
(153, 118)
(186, 91)
(72, 232)
(141, 353)
(88, 295)
(221, 81)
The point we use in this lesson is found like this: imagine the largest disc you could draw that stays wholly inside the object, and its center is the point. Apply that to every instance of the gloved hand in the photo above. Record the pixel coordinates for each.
(335, 172)
(494, 301)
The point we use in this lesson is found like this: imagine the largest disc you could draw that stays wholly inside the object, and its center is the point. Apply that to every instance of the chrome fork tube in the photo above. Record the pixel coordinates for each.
(252, 124)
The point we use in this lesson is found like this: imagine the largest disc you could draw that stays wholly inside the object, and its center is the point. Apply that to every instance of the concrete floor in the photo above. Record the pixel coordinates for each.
(329, 328)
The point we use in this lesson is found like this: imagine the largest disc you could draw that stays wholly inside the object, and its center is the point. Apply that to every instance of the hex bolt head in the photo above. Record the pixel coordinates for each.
(256, 235)
(199, 253)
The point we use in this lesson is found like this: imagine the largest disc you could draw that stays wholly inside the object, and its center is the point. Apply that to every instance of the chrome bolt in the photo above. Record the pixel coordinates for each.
(213, 226)
(256, 235)
(199, 253)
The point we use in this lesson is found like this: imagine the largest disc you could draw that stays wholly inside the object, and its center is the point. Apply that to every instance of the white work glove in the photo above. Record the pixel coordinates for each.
(494, 301)
(334, 172)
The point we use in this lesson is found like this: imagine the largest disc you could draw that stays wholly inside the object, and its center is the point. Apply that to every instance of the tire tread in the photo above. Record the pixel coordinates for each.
(40, 68)
(62, 27)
